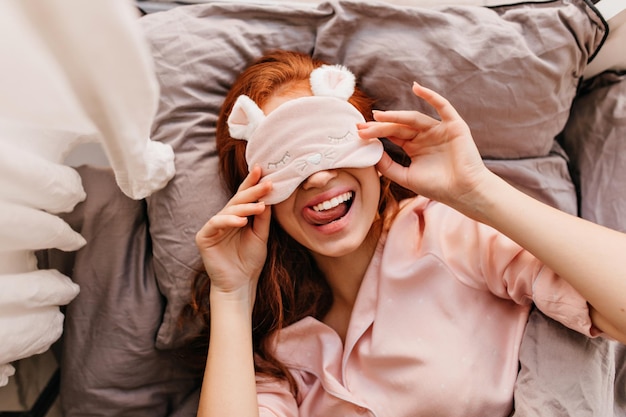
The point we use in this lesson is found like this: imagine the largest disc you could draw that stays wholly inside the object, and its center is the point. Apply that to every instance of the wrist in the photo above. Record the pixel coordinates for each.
(480, 201)
(243, 295)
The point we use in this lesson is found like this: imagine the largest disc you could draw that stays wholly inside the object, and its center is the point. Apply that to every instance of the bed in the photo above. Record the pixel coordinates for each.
(545, 114)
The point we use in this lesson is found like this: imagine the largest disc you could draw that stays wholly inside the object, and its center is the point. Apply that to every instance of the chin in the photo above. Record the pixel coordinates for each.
(344, 246)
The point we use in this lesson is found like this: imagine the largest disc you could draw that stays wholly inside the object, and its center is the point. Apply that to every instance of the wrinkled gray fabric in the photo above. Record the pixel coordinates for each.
(595, 139)
(546, 178)
(109, 363)
(565, 374)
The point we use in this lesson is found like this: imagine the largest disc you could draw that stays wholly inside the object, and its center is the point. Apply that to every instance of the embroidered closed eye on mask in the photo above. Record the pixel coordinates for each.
(304, 135)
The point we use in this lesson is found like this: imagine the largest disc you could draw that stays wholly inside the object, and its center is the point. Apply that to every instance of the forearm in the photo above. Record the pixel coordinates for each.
(588, 256)
(229, 388)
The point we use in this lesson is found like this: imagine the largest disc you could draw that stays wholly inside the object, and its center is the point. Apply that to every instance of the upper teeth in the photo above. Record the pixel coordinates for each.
(333, 202)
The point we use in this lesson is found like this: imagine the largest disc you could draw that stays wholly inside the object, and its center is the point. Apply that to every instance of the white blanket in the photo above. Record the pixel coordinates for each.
(74, 71)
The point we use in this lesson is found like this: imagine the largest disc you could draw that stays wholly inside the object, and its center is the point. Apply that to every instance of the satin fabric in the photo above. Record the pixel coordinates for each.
(435, 330)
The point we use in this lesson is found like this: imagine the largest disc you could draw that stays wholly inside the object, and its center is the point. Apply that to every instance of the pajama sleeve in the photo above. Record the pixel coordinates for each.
(486, 259)
(275, 398)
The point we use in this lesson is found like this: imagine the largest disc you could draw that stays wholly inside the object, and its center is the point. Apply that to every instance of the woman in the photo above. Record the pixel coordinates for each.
(332, 294)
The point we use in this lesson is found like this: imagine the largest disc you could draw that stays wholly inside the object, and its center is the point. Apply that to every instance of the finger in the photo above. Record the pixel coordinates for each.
(443, 106)
(244, 210)
(227, 221)
(253, 177)
(218, 225)
(412, 118)
(401, 142)
(393, 170)
(252, 194)
(235, 216)
(372, 130)
(261, 224)
(250, 189)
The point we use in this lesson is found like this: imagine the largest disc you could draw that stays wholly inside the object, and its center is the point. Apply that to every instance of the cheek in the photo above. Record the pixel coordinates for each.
(372, 188)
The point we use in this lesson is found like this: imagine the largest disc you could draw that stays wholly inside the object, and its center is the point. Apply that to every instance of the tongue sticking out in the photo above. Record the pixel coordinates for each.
(326, 216)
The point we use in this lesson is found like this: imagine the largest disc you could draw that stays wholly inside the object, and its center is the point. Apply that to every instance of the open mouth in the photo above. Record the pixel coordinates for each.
(330, 210)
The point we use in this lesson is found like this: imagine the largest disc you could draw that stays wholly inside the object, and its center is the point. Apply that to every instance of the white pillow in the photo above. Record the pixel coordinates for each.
(36, 289)
(27, 178)
(24, 228)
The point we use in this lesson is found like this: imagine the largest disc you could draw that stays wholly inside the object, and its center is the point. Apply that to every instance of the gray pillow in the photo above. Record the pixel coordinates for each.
(109, 364)
(595, 139)
(562, 372)
(566, 374)
(511, 71)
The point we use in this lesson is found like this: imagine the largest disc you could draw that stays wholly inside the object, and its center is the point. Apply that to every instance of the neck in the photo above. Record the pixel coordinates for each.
(344, 274)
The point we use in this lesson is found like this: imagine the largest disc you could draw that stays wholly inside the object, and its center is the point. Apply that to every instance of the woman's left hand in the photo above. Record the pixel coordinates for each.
(446, 166)
(445, 162)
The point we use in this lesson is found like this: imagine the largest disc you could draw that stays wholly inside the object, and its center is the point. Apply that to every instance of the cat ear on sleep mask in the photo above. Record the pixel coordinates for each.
(327, 80)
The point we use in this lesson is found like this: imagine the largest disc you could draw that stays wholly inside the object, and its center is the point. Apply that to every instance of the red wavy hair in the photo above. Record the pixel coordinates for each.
(291, 286)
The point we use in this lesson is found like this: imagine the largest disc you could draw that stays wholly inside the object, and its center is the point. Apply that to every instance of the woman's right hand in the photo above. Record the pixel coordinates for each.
(233, 243)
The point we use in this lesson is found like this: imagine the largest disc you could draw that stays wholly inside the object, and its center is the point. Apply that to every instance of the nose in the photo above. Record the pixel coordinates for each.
(319, 179)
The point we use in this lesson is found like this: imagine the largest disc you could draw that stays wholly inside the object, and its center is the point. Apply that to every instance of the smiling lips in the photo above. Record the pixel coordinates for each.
(333, 202)
(330, 210)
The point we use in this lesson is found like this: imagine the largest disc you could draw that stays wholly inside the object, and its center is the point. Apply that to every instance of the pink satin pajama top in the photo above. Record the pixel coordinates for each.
(435, 330)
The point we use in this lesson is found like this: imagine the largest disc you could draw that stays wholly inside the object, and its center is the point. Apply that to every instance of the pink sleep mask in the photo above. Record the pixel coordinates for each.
(304, 135)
